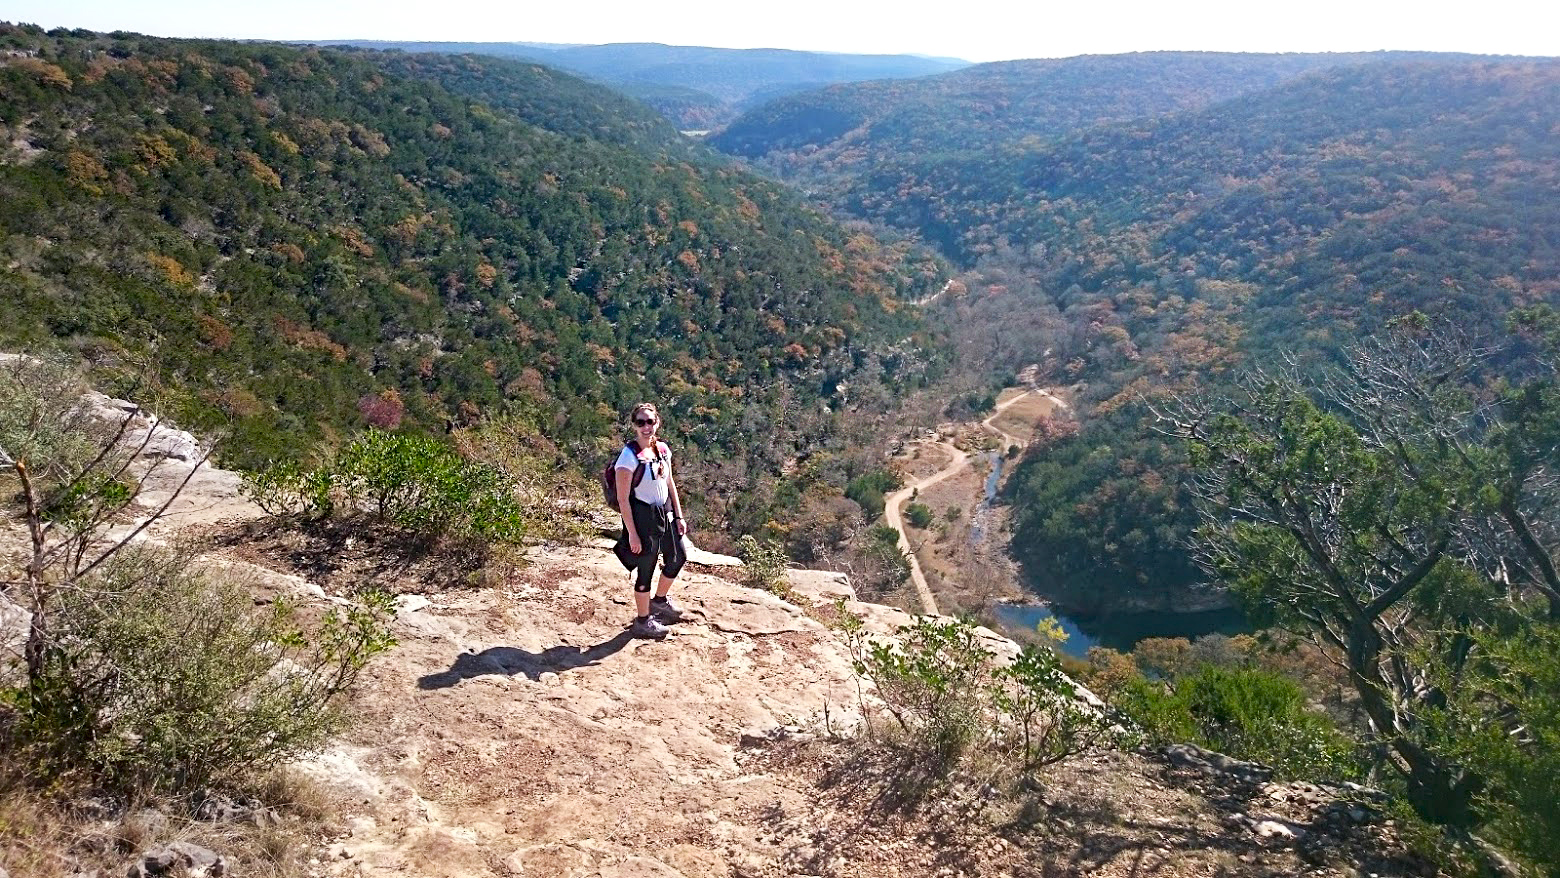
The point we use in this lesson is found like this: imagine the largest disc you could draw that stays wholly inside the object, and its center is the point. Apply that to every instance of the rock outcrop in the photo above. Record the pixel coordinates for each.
(518, 731)
(179, 859)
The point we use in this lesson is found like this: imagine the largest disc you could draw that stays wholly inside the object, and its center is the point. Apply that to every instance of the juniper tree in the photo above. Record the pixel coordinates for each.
(1398, 511)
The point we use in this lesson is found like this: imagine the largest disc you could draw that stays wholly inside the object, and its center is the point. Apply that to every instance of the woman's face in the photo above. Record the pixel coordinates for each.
(645, 423)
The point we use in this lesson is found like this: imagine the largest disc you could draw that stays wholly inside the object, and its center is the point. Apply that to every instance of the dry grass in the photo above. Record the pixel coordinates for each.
(341, 554)
(872, 811)
(47, 832)
(1020, 418)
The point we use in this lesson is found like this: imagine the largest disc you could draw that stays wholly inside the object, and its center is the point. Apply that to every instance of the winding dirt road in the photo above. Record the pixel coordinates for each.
(960, 460)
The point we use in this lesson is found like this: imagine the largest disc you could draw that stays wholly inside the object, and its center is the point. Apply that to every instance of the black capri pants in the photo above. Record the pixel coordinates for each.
(657, 537)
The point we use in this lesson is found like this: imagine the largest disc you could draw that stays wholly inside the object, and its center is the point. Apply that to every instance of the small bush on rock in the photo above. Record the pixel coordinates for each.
(949, 694)
(763, 563)
(1044, 719)
(163, 678)
(413, 482)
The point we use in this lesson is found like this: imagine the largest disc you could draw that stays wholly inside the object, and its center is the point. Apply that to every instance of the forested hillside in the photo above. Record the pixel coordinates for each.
(697, 87)
(298, 242)
(849, 129)
(1151, 255)
(1295, 220)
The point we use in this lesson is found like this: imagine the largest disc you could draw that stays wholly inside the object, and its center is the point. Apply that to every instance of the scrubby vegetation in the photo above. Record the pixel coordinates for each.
(1248, 713)
(161, 678)
(763, 563)
(1399, 512)
(416, 483)
(950, 698)
(143, 676)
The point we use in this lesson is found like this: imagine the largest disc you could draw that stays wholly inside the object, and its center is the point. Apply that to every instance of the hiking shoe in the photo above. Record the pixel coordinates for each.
(664, 610)
(649, 628)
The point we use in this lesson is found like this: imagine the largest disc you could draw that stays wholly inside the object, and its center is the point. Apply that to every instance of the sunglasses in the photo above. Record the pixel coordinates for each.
(643, 423)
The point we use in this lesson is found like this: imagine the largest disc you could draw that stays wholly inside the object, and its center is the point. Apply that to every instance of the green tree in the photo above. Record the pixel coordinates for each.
(1366, 508)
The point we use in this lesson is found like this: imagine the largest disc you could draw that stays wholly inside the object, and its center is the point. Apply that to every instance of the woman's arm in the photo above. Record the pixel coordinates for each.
(625, 491)
(677, 513)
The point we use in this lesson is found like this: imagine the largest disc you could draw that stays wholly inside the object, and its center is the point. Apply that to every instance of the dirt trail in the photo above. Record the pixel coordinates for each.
(959, 460)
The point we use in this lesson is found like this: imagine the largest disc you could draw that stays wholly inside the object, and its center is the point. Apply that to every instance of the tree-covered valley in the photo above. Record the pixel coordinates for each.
(1304, 306)
(1148, 225)
(295, 244)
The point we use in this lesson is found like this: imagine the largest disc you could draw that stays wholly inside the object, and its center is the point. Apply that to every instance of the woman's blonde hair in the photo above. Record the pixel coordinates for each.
(644, 407)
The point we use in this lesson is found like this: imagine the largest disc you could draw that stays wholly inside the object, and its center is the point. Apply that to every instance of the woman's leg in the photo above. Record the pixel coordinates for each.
(672, 560)
(671, 564)
(650, 541)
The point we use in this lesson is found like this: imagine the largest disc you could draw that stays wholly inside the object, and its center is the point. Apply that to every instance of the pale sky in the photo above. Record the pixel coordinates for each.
(976, 30)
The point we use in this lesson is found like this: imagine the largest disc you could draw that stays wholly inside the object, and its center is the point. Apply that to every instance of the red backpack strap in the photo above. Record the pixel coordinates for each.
(639, 467)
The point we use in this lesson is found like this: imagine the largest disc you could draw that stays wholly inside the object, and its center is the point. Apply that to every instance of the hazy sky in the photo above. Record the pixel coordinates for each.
(977, 30)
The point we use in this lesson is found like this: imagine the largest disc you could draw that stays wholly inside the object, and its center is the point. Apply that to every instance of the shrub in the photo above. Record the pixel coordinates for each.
(285, 488)
(919, 515)
(1246, 713)
(413, 482)
(763, 563)
(947, 692)
(162, 678)
(929, 682)
(1044, 720)
(868, 490)
(1155, 713)
(1517, 753)
(42, 421)
(883, 548)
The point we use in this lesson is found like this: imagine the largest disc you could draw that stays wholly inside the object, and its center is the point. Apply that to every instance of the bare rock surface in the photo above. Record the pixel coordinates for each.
(521, 732)
(170, 459)
(526, 733)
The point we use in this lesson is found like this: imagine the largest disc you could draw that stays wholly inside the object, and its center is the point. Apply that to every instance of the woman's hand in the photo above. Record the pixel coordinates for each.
(682, 527)
(634, 545)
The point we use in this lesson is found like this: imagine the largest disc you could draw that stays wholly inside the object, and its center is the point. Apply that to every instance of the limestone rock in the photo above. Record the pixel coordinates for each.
(407, 604)
(1270, 828)
(149, 823)
(1211, 763)
(14, 620)
(179, 859)
(821, 585)
(697, 555)
(218, 808)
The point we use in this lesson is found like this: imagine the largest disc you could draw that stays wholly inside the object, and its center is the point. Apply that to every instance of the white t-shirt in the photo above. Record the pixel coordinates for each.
(652, 488)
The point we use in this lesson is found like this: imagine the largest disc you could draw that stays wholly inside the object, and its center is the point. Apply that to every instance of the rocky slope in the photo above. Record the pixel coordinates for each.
(518, 731)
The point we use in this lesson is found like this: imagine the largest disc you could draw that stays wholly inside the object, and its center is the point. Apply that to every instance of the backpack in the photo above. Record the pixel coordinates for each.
(609, 475)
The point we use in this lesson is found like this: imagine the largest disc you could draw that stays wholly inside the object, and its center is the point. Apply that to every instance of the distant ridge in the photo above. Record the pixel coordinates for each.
(694, 86)
(1006, 101)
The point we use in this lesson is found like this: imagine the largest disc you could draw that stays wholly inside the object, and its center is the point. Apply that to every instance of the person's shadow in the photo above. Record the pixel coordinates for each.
(509, 661)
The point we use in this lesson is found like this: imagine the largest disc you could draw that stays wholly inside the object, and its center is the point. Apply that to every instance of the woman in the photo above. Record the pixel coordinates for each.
(653, 523)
